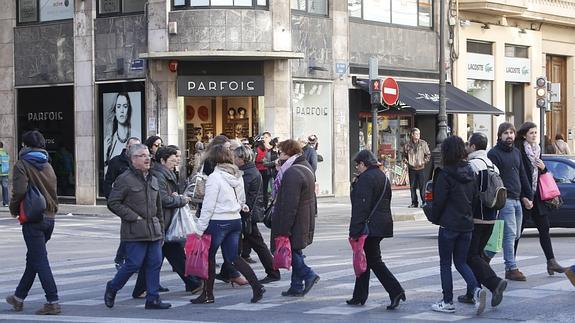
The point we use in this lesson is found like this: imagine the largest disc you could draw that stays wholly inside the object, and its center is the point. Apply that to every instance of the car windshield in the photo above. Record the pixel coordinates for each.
(562, 172)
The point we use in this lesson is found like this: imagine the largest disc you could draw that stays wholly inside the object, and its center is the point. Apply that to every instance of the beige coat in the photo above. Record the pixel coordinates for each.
(561, 147)
(416, 155)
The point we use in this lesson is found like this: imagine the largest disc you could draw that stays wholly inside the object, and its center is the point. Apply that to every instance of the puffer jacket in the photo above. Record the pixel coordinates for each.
(365, 192)
(136, 200)
(168, 185)
(224, 196)
(295, 205)
(454, 190)
(33, 167)
(253, 189)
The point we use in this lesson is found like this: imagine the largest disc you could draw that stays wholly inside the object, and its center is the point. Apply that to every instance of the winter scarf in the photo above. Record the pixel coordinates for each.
(533, 152)
(279, 176)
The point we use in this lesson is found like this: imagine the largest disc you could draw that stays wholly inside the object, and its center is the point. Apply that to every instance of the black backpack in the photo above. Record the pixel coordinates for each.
(492, 192)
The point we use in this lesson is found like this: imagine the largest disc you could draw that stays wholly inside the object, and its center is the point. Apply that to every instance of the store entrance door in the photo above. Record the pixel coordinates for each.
(236, 117)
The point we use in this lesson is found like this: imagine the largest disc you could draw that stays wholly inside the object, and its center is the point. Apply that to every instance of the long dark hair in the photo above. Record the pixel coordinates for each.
(453, 150)
(113, 112)
(522, 132)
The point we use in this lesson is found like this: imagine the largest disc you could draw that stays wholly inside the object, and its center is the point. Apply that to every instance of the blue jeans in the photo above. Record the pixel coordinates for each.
(453, 244)
(300, 271)
(512, 215)
(4, 184)
(36, 235)
(147, 254)
(225, 233)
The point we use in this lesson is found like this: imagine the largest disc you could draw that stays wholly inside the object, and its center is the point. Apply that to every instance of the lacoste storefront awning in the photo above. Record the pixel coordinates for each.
(424, 98)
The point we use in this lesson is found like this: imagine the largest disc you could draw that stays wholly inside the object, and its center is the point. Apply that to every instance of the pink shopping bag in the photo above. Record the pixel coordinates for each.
(282, 253)
(197, 250)
(359, 259)
(547, 187)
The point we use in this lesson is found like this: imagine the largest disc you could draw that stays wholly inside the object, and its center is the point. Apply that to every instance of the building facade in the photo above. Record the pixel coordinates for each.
(90, 74)
(501, 47)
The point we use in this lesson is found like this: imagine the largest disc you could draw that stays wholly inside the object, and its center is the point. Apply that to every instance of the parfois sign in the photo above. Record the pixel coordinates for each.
(220, 85)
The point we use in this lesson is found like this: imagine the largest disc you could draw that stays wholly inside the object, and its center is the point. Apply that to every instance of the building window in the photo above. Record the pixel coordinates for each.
(318, 7)
(120, 7)
(516, 51)
(416, 13)
(479, 47)
(30, 11)
(219, 3)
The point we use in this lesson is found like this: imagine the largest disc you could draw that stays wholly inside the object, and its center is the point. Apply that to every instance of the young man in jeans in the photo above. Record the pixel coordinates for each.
(33, 168)
(507, 158)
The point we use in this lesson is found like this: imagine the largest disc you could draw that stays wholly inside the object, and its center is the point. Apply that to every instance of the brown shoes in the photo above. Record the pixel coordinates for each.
(571, 275)
(16, 304)
(49, 309)
(516, 275)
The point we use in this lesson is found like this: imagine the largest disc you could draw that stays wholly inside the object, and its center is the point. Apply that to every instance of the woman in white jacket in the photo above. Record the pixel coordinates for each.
(220, 217)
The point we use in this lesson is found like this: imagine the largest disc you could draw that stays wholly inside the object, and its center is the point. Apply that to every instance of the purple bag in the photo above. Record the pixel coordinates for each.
(548, 189)
(359, 259)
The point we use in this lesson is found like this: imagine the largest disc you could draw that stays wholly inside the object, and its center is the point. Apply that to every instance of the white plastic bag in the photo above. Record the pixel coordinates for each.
(183, 223)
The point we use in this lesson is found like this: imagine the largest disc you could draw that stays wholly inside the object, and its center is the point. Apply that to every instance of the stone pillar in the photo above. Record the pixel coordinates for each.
(277, 74)
(341, 99)
(7, 93)
(277, 101)
(84, 102)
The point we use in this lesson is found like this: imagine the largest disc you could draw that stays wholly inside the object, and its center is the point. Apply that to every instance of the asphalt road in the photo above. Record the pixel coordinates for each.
(83, 247)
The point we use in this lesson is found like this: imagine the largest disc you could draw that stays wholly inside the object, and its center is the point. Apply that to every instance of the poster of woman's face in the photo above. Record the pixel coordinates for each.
(122, 119)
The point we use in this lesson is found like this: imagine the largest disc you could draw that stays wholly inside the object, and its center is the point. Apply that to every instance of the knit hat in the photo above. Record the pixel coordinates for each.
(34, 139)
(366, 157)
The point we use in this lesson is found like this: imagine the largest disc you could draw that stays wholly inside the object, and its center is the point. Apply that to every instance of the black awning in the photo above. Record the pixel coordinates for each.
(424, 98)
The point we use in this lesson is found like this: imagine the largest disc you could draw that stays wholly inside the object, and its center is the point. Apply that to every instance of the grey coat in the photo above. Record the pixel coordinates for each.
(136, 200)
(168, 183)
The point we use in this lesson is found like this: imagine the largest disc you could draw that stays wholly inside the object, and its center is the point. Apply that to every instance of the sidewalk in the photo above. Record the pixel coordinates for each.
(399, 202)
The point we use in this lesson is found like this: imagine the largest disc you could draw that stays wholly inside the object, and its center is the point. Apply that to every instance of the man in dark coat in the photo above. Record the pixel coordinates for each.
(294, 212)
(135, 198)
(118, 165)
(371, 216)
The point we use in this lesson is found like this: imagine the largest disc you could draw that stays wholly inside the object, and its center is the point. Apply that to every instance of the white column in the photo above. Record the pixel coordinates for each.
(7, 92)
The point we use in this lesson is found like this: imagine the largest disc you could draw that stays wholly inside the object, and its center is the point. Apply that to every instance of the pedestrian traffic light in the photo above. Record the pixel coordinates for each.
(541, 92)
(375, 91)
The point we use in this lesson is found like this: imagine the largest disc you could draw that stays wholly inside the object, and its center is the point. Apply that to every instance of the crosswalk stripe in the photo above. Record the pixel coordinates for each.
(433, 316)
(342, 310)
(87, 319)
(249, 306)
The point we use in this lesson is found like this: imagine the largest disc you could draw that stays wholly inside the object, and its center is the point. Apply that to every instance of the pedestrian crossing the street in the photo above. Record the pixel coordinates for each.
(83, 249)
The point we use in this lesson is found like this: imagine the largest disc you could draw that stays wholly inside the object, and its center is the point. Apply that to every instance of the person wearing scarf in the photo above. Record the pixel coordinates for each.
(526, 142)
(294, 212)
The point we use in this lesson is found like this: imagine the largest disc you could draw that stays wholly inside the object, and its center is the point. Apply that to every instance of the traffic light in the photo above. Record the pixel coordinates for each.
(375, 91)
(541, 92)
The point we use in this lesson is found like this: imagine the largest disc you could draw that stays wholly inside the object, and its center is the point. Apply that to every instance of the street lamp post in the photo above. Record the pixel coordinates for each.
(442, 117)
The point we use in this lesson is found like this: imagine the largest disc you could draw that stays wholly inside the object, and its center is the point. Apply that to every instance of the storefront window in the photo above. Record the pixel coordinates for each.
(404, 12)
(481, 89)
(312, 112)
(393, 132)
(220, 3)
(51, 111)
(311, 6)
(44, 10)
(119, 7)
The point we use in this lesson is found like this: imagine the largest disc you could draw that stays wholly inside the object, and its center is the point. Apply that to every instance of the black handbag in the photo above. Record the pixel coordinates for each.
(246, 224)
(268, 215)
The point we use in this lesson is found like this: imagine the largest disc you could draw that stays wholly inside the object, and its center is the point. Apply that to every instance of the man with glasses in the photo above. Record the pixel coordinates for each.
(136, 200)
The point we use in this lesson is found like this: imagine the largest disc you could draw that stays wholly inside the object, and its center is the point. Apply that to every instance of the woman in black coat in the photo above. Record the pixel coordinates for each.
(526, 142)
(371, 215)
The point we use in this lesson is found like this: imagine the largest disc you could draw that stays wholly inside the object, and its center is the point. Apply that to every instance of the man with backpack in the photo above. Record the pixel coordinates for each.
(508, 160)
(492, 192)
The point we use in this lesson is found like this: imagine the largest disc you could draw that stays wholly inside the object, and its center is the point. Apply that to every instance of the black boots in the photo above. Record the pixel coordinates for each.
(244, 268)
(207, 296)
(109, 296)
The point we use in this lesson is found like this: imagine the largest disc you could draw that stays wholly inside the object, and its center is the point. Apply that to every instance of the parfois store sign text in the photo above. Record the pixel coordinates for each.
(243, 85)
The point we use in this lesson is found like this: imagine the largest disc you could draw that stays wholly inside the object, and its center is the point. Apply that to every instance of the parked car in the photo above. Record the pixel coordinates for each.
(563, 169)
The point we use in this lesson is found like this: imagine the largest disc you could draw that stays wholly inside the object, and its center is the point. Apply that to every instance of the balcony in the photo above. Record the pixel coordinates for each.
(561, 12)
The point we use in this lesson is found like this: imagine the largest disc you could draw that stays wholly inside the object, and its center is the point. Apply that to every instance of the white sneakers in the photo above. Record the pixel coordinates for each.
(443, 307)
(479, 298)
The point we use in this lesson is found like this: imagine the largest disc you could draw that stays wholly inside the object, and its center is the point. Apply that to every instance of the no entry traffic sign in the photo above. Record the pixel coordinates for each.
(390, 91)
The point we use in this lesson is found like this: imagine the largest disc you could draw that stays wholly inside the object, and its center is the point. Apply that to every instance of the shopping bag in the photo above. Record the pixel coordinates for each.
(282, 253)
(183, 223)
(197, 250)
(359, 259)
(547, 187)
(495, 242)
